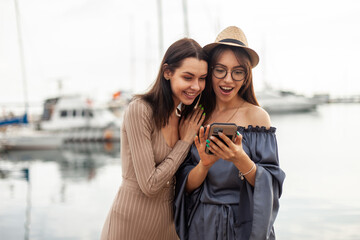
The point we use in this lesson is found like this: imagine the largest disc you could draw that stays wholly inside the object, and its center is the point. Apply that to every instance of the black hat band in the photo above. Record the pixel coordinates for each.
(231, 40)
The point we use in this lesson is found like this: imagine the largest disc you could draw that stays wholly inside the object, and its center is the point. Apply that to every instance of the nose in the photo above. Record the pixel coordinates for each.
(228, 77)
(195, 85)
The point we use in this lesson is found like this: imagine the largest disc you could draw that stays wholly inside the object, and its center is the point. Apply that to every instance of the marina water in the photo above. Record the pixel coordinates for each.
(69, 191)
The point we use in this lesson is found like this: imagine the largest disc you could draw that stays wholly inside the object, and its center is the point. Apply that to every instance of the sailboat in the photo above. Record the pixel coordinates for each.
(23, 119)
(14, 120)
(65, 118)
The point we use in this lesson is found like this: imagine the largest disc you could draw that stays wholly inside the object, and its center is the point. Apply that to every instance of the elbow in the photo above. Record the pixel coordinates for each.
(149, 190)
(188, 190)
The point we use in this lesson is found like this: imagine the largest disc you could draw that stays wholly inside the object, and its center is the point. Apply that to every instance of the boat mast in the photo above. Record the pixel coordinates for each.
(159, 5)
(266, 85)
(132, 56)
(22, 55)
(186, 22)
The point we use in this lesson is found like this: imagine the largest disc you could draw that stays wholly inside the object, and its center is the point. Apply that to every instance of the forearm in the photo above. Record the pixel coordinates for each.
(196, 177)
(153, 178)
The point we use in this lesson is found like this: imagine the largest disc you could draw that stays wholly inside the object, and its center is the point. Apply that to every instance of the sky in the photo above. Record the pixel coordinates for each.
(97, 47)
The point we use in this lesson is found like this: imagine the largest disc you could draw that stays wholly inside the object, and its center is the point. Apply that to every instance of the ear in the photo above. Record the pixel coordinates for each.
(167, 73)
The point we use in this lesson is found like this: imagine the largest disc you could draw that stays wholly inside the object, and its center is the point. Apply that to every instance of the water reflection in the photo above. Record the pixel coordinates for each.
(319, 153)
(79, 149)
(40, 189)
(77, 161)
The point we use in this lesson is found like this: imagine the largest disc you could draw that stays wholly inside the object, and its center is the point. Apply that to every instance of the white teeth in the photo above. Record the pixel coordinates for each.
(226, 88)
(190, 94)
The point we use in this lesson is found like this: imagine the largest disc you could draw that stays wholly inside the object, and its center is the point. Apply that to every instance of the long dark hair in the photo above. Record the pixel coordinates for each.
(160, 95)
(246, 91)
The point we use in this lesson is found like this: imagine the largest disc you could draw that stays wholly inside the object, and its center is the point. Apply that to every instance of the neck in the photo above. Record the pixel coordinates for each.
(176, 101)
(234, 103)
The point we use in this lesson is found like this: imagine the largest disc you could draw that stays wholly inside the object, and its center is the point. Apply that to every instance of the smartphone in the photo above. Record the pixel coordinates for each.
(229, 129)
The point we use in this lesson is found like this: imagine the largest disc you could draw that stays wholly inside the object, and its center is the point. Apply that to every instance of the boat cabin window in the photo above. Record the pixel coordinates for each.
(74, 113)
(87, 113)
(63, 113)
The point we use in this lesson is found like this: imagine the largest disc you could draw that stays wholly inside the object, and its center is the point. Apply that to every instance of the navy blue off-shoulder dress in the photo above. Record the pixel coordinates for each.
(226, 207)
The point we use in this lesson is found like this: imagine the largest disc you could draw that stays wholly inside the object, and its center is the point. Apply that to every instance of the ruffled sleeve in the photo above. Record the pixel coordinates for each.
(261, 146)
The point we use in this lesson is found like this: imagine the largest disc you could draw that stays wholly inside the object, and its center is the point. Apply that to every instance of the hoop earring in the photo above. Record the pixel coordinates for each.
(178, 110)
(197, 103)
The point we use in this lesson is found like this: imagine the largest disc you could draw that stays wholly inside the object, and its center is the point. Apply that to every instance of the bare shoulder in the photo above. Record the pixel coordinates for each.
(258, 116)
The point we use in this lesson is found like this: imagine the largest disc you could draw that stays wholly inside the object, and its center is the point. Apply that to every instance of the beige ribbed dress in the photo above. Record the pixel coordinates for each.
(143, 207)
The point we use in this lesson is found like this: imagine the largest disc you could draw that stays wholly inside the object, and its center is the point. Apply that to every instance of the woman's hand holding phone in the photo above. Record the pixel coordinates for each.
(232, 152)
(207, 160)
(198, 174)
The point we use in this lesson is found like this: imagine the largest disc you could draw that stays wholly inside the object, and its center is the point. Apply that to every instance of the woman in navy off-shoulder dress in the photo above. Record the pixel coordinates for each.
(233, 194)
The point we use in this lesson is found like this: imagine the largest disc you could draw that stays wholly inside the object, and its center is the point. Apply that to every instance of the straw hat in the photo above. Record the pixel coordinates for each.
(234, 36)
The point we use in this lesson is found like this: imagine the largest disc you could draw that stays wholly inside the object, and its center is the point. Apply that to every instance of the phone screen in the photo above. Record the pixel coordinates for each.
(218, 137)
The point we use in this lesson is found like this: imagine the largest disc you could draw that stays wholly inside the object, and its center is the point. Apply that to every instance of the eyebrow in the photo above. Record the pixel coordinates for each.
(189, 73)
(194, 74)
(239, 66)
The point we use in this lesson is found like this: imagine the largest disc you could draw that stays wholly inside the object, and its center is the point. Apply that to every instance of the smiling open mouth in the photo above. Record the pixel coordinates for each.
(226, 89)
(190, 95)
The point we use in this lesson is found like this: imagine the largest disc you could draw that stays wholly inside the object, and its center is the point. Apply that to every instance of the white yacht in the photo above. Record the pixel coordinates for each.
(65, 119)
(75, 112)
(77, 118)
(277, 102)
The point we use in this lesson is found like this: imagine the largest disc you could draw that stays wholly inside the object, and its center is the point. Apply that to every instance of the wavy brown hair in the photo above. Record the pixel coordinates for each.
(246, 91)
(160, 95)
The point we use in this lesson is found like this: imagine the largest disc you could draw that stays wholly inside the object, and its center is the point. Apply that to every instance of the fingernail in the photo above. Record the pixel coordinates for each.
(202, 108)
(200, 105)
(203, 114)
(237, 132)
(207, 145)
(207, 140)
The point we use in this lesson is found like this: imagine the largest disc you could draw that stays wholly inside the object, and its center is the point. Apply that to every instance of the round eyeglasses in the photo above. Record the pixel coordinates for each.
(221, 72)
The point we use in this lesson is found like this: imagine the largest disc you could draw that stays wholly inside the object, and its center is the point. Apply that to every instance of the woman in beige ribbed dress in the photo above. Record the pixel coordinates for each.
(158, 129)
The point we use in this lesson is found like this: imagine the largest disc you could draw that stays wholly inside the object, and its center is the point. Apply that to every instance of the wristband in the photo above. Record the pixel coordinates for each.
(242, 175)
